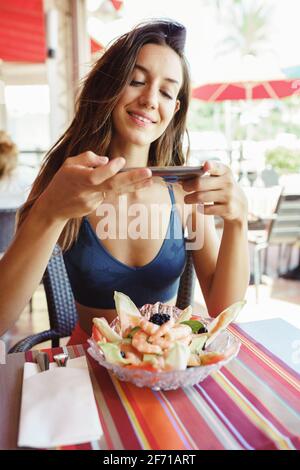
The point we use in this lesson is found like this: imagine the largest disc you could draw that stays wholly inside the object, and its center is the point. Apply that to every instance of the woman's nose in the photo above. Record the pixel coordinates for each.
(149, 98)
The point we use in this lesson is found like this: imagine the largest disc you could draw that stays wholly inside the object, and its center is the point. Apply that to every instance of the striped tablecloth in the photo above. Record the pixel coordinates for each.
(252, 403)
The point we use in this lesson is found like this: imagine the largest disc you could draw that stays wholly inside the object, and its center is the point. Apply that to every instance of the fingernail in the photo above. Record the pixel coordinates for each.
(103, 159)
(120, 160)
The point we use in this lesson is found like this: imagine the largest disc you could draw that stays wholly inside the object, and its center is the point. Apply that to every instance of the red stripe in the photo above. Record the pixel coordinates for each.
(29, 356)
(109, 442)
(105, 428)
(265, 351)
(52, 352)
(154, 444)
(115, 407)
(84, 446)
(254, 436)
(257, 403)
(276, 382)
(195, 425)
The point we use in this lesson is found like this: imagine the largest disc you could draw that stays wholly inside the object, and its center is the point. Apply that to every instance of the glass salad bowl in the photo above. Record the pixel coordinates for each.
(224, 346)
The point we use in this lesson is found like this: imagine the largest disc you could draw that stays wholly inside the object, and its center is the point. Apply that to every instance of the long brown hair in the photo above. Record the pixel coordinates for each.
(91, 128)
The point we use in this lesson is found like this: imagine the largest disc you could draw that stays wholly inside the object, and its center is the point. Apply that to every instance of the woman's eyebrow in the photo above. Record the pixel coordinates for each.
(144, 69)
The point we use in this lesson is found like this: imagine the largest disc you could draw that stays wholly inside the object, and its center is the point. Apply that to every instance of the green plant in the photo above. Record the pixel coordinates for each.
(284, 160)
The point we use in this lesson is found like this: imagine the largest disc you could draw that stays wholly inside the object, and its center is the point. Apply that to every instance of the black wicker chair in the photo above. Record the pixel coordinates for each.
(61, 305)
(185, 295)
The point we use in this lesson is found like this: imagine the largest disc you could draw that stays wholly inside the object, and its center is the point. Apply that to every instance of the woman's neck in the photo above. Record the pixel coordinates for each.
(136, 156)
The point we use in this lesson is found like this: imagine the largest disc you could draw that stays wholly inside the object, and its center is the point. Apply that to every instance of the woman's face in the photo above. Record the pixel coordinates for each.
(149, 100)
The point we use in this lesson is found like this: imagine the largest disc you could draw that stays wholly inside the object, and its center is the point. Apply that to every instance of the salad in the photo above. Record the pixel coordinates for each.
(159, 337)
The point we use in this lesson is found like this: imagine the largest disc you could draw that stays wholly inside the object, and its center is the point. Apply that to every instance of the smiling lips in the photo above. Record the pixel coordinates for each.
(140, 119)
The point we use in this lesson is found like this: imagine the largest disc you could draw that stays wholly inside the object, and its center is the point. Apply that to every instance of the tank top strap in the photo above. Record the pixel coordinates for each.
(171, 192)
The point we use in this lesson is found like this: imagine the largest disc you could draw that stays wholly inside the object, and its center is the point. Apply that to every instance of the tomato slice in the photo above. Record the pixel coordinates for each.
(195, 317)
(148, 367)
(97, 335)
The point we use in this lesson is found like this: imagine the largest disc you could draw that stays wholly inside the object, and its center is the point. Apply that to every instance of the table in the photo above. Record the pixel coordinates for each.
(252, 403)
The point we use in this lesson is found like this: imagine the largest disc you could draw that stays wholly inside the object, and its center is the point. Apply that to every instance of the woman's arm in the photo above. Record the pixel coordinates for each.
(222, 268)
(75, 190)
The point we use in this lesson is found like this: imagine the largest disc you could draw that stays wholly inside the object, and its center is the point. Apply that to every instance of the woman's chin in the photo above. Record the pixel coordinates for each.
(138, 139)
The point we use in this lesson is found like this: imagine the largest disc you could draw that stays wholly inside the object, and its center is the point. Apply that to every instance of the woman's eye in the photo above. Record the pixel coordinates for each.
(136, 83)
(167, 95)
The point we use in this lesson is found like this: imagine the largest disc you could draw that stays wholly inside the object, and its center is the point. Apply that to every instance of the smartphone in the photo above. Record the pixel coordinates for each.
(172, 174)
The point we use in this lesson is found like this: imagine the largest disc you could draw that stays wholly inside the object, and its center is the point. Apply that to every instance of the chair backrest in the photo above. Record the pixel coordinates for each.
(60, 300)
(7, 227)
(285, 227)
(185, 295)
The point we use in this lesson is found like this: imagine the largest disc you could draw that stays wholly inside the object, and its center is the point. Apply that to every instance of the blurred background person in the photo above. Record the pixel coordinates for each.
(15, 180)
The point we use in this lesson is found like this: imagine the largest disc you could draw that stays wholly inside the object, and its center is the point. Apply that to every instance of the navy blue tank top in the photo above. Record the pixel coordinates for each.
(95, 274)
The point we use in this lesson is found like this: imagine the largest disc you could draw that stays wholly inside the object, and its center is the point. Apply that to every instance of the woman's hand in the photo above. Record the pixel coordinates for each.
(219, 188)
(79, 185)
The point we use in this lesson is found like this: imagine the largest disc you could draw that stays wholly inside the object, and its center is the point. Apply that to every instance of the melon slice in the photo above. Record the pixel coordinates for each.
(185, 314)
(128, 313)
(197, 343)
(178, 356)
(112, 353)
(104, 328)
(223, 320)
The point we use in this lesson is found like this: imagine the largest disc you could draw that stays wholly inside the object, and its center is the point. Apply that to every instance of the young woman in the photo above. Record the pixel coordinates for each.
(132, 110)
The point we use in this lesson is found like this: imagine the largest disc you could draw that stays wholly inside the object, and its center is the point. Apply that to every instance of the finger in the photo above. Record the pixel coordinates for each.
(214, 209)
(131, 188)
(133, 176)
(215, 168)
(104, 173)
(204, 183)
(205, 197)
(128, 178)
(88, 159)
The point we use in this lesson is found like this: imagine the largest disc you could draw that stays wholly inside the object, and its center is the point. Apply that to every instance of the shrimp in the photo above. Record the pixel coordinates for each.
(162, 342)
(160, 362)
(178, 332)
(129, 352)
(162, 330)
(132, 358)
(148, 327)
(166, 344)
(139, 341)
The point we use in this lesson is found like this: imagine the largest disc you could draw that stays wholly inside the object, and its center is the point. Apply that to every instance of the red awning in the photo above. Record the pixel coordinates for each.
(117, 4)
(22, 31)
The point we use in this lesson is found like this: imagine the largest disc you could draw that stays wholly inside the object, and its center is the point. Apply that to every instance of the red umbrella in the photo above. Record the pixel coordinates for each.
(270, 89)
